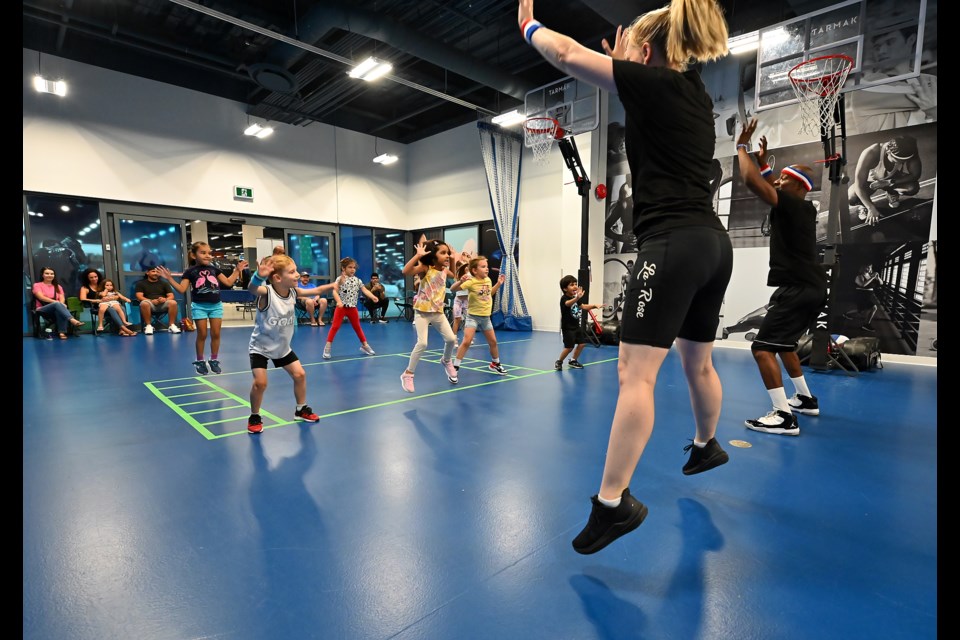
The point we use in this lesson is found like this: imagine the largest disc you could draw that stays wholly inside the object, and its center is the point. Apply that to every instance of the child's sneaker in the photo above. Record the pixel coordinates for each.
(496, 367)
(215, 366)
(606, 524)
(451, 372)
(575, 364)
(406, 381)
(779, 422)
(367, 349)
(306, 414)
(558, 365)
(326, 352)
(254, 423)
(704, 458)
(201, 367)
(807, 405)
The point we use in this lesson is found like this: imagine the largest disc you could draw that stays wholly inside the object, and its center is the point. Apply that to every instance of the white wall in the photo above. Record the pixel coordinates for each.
(119, 137)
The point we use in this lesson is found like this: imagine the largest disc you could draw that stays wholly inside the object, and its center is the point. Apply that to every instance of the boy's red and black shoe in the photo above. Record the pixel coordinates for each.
(254, 424)
(306, 414)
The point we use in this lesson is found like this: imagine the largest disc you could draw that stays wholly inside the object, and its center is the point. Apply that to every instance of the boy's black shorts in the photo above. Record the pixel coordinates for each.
(258, 361)
(573, 337)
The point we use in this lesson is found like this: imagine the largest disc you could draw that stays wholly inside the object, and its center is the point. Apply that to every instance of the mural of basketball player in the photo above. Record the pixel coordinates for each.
(890, 169)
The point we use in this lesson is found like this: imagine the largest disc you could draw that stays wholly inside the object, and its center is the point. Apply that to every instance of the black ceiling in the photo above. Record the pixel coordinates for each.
(467, 50)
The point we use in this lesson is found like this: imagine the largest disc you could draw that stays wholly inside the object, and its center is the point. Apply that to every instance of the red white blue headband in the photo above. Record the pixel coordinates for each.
(799, 175)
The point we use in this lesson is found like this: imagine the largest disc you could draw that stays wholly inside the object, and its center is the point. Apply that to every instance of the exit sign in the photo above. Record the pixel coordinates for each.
(243, 193)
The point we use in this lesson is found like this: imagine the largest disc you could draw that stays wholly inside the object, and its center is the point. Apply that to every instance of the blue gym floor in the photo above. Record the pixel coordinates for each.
(150, 513)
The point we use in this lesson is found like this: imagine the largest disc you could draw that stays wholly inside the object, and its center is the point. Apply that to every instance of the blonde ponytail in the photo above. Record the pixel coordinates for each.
(684, 31)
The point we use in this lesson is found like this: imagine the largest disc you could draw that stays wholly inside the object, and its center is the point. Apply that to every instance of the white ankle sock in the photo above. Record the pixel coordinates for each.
(613, 504)
(699, 445)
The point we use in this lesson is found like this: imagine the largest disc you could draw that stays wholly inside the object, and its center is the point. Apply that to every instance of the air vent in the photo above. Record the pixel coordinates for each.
(273, 78)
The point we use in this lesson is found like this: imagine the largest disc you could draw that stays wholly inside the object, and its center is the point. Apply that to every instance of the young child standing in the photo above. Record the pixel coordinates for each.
(460, 300)
(346, 292)
(275, 288)
(476, 282)
(204, 281)
(570, 310)
(432, 264)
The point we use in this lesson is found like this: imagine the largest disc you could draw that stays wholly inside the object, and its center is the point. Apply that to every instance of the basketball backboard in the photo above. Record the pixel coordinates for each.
(881, 36)
(573, 104)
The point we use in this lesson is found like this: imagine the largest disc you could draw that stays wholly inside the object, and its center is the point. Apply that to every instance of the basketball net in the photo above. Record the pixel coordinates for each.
(817, 83)
(539, 135)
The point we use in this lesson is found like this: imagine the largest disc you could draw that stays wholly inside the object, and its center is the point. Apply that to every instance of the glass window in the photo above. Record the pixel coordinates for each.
(462, 239)
(389, 261)
(147, 244)
(64, 236)
(310, 252)
(357, 243)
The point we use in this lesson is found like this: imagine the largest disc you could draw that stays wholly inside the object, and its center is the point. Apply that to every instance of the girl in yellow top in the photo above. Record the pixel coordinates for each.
(432, 264)
(480, 289)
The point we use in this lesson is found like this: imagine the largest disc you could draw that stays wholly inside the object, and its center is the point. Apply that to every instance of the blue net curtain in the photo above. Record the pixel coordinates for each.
(502, 152)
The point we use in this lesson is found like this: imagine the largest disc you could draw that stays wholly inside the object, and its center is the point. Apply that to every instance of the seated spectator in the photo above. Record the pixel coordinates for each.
(51, 302)
(382, 303)
(91, 288)
(156, 296)
(315, 306)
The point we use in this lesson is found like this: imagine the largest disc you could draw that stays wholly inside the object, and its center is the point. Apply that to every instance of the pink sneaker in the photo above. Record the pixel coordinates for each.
(406, 381)
(451, 371)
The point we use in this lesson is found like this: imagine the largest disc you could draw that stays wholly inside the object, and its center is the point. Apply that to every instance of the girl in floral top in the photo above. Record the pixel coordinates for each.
(432, 264)
(346, 291)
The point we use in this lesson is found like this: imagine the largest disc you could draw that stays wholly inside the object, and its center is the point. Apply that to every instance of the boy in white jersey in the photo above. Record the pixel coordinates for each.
(274, 286)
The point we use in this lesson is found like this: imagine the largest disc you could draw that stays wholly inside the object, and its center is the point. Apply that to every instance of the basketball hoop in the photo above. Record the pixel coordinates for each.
(539, 135)
(817, 83)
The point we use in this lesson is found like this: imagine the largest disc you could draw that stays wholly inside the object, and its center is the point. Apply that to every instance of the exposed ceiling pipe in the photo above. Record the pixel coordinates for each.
(321, 52)
(337, 15)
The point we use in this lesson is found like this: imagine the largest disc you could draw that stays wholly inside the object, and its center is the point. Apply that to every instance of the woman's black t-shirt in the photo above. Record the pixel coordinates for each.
(670, 146)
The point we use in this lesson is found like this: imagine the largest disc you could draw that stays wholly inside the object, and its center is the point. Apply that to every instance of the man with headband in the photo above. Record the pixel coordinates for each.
(892, 167)
(796, 272)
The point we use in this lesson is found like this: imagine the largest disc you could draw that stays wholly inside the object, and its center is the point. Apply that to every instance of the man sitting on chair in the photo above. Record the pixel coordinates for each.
(382, 303)
(315, 306)
(156, 297)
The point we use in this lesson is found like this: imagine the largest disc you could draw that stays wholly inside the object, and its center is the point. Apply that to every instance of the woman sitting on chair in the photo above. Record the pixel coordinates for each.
(91, 292)
(51, 302)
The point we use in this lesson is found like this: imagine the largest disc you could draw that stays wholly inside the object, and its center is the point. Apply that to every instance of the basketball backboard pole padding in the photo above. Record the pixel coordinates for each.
(833, 180)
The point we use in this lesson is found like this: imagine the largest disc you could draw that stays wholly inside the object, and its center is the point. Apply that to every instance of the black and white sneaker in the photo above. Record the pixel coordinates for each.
(779, 422)
(806, 405)
(558, 365)
(575, 364)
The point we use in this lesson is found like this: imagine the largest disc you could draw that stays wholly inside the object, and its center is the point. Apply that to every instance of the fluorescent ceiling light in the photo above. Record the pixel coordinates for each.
(257, 130)
(509, 118)
(56, 87)
(744, 43)
(371, 69)
(385, 158)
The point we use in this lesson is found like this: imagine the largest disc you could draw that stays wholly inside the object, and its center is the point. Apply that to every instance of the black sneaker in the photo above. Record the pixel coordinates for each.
(575, 364)
(558, 365)
(606, 524)
(779, 422)
(201, 367)
(215, 366)
(254, 423)
(806, 405)
(704, 459)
